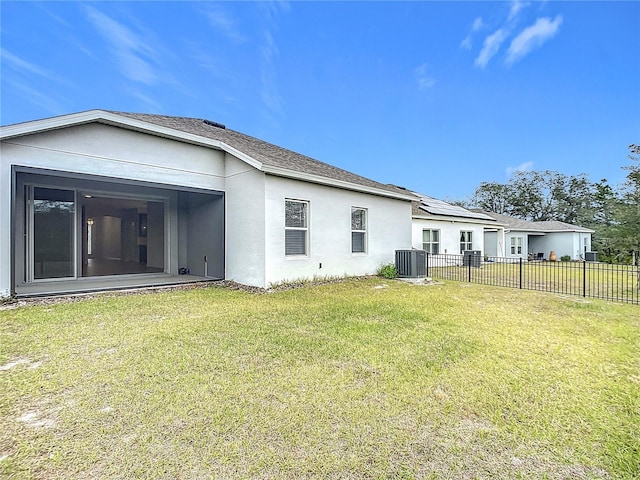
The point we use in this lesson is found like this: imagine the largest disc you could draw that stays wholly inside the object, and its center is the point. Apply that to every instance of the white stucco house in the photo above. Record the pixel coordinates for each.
(102, 199)
(536, 240)
(442, 228)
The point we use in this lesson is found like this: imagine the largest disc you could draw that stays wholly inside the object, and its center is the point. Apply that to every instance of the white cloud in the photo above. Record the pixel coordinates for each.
(272, 10)
(515, 9)
(269, 53)
(523, 167)
(22, 65)
(132, 52)
(425, 81)
(36, 96)
(225, 24)
(477, 25)
(490, 47)
(532, 37)
(270, 95)
(150, 102)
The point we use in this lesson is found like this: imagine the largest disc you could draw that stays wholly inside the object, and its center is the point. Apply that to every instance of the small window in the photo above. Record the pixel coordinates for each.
(516, 245)
(466, 241)
(296, 227)
(431, 241)
(358, 230)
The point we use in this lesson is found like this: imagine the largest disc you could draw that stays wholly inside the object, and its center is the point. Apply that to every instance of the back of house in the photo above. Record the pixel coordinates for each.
(100, 199)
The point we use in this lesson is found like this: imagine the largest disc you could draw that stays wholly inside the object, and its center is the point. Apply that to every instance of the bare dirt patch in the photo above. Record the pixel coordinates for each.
(231, 285)
(14, 363)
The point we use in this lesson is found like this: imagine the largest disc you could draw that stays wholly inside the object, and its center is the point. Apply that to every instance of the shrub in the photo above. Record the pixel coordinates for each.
(388, 271)
(565, 258)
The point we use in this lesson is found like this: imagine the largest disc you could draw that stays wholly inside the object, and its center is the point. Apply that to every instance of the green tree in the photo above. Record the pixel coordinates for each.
(492, 197)
(605, 204)
(538, 196)
(626, 230)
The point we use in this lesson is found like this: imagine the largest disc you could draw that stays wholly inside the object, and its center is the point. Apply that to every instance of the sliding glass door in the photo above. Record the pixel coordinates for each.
(52, 239)
(70, 233)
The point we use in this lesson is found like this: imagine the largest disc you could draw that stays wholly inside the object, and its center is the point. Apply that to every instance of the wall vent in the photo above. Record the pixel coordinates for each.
(214, 124)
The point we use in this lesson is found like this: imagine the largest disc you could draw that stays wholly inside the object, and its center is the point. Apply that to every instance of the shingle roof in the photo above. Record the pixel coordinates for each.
(512, 223)
(264, 152)
(557, 226)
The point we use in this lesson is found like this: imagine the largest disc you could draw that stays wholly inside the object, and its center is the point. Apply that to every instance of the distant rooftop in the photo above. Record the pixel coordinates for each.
(513, 223)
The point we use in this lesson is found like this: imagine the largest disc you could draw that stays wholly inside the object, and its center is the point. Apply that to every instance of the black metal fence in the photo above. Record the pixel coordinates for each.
(620, 283)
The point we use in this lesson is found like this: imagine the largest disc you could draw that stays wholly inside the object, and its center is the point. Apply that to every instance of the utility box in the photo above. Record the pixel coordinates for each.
(591, 256)
(411, 263)
(472, 258)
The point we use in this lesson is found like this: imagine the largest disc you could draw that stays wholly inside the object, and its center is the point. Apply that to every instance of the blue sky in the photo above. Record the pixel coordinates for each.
(433, 96)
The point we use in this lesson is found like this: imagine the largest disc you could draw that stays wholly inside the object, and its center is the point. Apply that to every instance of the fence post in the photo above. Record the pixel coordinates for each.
(584, 279)
(469, 262)
(426, 262)
(520, 262)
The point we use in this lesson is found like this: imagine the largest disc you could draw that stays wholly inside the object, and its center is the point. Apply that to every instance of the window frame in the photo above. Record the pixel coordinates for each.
(305, 228)
(466, 241)
(428, 246)
(516, 244)
(360, 231)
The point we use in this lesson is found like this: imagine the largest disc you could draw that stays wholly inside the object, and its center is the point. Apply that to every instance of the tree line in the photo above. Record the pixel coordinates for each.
(613, 211)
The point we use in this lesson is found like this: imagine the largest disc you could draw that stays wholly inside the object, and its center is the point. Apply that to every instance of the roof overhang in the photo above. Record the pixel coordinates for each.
(523, 231)
(456, 219)
(307, 177)
(109, 118)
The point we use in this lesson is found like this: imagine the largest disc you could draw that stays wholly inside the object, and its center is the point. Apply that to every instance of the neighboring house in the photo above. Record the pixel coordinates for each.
(101, 199)
(439, 227)
(523, 239)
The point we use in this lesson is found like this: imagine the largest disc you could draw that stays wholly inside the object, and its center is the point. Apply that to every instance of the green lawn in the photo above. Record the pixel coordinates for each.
(366, 378)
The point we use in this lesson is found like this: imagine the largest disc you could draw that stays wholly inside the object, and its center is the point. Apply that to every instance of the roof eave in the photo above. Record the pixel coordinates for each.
(455, 218)
(109, 118)
(52, 123)
(307, 177)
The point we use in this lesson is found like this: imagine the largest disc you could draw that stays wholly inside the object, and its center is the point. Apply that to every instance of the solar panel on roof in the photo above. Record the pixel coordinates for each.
(439, 207)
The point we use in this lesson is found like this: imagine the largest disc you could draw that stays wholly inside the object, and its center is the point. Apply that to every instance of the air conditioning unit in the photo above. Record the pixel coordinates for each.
(472, 258)
(591, 256)
(411, 263)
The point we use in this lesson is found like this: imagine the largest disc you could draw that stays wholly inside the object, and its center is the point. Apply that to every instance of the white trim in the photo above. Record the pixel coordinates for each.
(431, 243)
(454, 219)
(311, 178)
(364, 231)
(306, 229)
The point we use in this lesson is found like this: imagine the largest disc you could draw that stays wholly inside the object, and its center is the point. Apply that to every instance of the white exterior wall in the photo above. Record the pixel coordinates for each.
(388, 229)
(449, 234)
(525, 244)
(245, 223)
(5, 221)
(584, 240)
(98, 149)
